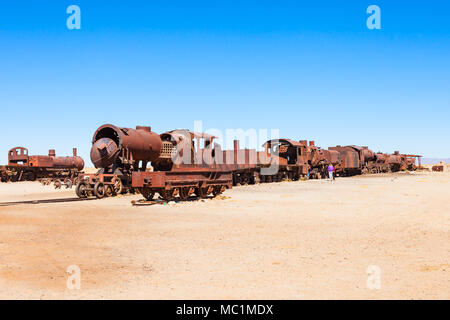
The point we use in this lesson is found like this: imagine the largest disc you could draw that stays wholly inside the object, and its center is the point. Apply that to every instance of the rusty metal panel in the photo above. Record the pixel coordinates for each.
(349, 156)
(148, 179)
(40, 161)
(18, 156)
(439, 168)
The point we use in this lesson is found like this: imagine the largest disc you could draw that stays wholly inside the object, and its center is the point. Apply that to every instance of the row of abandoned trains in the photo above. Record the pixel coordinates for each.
(179, 164)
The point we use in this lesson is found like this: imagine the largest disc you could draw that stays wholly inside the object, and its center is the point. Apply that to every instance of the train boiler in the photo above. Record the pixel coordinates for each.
(353, 159)
(116, 153)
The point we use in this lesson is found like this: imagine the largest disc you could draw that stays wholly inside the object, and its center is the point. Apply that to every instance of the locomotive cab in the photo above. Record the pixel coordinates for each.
(184, 147)
(18, 156)
(283, 151)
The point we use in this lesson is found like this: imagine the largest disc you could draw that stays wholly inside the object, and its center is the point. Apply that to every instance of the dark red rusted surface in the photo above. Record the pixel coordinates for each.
(22, 166)
(132, 145)
(438, 168)
(181, 164)
(351, 159)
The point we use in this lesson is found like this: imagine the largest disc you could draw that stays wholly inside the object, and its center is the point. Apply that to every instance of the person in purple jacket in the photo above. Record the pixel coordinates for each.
(330, 172)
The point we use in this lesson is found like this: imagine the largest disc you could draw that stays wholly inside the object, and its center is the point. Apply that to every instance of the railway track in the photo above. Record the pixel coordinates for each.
(17, 203)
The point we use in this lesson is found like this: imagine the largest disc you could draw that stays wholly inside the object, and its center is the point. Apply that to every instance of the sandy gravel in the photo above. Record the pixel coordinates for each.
(297, 240)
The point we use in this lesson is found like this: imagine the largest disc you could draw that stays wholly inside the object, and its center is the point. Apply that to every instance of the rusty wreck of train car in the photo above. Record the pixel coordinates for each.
(179, 168)
(24, 167)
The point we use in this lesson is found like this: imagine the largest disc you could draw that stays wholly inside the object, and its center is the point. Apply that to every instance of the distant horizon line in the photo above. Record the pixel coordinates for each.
(435, 160)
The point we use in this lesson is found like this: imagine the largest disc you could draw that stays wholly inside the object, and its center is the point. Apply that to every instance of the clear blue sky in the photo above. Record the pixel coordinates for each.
(311, 69)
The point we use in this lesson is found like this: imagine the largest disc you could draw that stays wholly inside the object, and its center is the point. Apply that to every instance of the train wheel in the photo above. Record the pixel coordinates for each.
(117, 185)
(14, 177)
(184, 193)
(218, 190)
(256, 178)
(167, 195)
(204, 192)
(68, 183)
(57, 184)
(30, 176)
(175, 192)
(237, 180)
(109, 191)
(99, 190)
(148, 194)
(81, 191)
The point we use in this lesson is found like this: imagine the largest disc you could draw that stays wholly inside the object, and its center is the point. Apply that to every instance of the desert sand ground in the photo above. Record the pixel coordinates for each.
(291, 240)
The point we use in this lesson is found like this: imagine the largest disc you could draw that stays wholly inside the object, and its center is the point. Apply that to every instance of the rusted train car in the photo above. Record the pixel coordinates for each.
(283, 160)
(180, 167)
(361, 160)
(24, 167)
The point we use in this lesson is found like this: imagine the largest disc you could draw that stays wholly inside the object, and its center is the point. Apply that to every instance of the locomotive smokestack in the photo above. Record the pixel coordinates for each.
(236, 144)
(144, 128)
(51, 153)
(75, 153)
(312, 144)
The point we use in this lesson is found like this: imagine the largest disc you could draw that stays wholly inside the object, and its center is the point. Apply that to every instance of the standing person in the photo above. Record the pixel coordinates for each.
(334, 173)
(330, 172)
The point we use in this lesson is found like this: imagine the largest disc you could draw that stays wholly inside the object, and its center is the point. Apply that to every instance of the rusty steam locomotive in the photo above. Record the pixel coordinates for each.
(181, 163)
(122, 156)
(24, 167)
